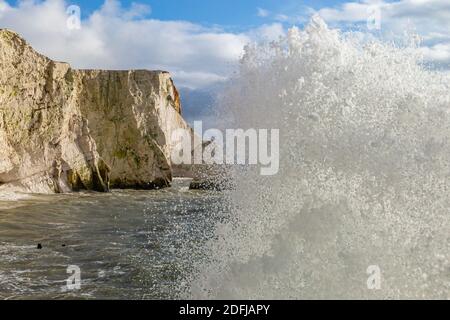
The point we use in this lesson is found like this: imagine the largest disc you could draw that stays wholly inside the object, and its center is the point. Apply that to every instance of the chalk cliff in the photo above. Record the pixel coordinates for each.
(64, 130)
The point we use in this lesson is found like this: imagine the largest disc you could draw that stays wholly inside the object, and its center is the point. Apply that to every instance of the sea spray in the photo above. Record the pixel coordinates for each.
(363, 180)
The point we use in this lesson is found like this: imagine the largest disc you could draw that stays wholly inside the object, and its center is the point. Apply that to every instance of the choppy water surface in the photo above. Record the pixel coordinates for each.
(128, 244)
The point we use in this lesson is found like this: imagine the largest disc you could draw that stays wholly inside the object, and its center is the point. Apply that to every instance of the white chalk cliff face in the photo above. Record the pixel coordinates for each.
(65, 130)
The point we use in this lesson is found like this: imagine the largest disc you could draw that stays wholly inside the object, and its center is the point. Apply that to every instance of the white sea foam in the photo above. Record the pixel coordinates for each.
(364, 174)
(12, 197)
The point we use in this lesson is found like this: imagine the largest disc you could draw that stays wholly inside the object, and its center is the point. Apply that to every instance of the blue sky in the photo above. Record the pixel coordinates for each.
(238, 14)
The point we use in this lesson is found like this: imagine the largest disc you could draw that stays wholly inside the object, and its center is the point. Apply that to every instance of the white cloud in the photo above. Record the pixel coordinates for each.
(267, 32)
(117, 38)
(193, 80)
(282, 17)
(438, 52)
(138, 10)
(430, 19)
(3, 7)
(279, 17)
(263, 13)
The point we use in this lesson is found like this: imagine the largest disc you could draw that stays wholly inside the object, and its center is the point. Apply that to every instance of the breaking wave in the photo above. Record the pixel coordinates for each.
(363, 181)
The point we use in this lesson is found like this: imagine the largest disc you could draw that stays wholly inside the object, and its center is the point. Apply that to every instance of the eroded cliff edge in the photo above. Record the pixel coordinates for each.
(65, 130)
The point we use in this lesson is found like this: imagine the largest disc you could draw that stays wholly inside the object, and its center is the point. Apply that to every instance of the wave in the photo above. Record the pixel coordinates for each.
(363, 181)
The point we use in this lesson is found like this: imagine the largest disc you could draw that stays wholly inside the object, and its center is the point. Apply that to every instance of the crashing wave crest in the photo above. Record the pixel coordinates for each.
(364, 174)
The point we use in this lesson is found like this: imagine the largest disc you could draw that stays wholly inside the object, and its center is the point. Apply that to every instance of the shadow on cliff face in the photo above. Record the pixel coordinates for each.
(126, 117)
